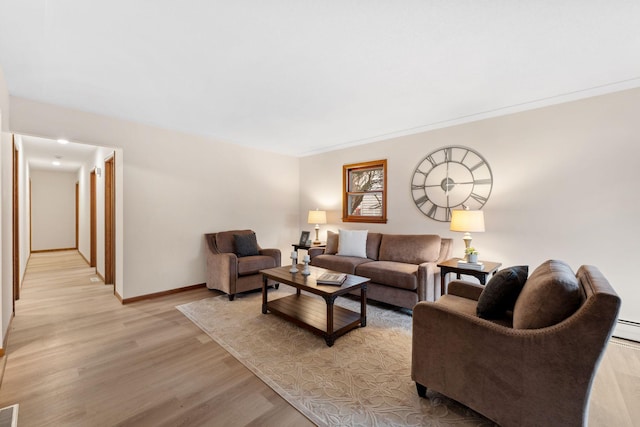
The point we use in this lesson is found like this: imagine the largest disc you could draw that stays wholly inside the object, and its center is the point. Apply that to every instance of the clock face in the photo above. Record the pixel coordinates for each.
(450, 178)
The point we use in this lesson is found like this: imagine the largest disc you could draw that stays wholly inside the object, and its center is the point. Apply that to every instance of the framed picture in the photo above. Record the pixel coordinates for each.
(304, 237)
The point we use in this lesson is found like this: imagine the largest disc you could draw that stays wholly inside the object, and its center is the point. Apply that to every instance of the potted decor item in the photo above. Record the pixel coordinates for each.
(472, 254)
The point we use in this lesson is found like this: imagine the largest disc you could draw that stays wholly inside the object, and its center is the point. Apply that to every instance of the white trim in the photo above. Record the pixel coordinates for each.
(627, 330)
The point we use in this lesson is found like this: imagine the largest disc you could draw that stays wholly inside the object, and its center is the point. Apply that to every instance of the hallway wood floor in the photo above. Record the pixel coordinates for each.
(77, 357)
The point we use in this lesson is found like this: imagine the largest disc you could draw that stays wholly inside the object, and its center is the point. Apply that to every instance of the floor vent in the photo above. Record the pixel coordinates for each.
(9, 416)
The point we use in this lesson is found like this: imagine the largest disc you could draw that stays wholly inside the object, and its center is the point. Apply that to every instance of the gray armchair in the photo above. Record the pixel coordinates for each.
(532, 367)
(234, 260)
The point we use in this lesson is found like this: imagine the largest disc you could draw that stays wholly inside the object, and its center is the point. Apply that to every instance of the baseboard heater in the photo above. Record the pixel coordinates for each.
(9, 416)
(628, 330)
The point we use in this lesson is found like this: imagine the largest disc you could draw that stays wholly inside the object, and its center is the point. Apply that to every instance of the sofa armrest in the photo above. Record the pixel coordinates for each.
(465, 289)
(428, 283)
(273, 253)
(314, 252)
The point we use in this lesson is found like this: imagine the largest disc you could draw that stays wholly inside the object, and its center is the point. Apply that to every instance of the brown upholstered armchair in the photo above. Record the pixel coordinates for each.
(526, 368)
(234, 261)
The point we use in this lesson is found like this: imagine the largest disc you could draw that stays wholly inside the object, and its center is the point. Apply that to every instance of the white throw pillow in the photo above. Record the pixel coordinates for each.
(353, 243)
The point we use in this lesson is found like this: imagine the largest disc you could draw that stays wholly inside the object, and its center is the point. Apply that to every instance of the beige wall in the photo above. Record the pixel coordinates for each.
(53, 210)
(565, 186)
(174, 188)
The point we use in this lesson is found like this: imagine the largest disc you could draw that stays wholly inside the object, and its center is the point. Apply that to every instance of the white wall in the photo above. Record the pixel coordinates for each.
(6, 251)
(174, 189)
(565, 186)
(53, 210)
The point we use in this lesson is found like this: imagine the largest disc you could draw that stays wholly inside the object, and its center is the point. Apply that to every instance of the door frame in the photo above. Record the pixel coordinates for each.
(109, 221)
(93, 251)
(16, 221)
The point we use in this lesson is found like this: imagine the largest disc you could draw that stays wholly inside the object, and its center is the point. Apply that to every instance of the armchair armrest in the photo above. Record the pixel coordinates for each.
(452, 349)
(273, 253)
(222, 271)
(465, 289)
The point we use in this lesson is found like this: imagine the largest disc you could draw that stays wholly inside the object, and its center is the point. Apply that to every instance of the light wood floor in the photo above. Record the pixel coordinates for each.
(77, 357)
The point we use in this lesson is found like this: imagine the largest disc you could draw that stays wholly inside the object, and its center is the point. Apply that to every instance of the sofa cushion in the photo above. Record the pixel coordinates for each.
(252, 264)
(353, 243)
(412, 249)
(373, 245)
(395, 274)
(245, 245)
(332, 243)
(501, 293)
(343, 264)
(549, 296)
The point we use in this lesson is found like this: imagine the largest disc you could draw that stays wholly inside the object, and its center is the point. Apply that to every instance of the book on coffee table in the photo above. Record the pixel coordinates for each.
(331, 279)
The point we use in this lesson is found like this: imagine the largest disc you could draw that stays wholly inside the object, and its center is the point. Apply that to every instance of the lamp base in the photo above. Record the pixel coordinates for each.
(317, 241)
(467, 244)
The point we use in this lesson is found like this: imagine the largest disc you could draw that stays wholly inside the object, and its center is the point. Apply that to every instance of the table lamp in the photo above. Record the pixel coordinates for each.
(467, 221)
(317, 217)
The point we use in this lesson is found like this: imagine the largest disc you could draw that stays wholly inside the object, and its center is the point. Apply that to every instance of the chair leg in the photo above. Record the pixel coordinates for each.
(231, 297)
(422, 390)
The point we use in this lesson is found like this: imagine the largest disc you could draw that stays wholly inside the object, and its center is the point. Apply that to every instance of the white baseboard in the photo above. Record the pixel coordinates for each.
(628, 330)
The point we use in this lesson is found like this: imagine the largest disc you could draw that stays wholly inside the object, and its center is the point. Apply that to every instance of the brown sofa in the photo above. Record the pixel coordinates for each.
(231, 271)
(532, 367)
(402, 267)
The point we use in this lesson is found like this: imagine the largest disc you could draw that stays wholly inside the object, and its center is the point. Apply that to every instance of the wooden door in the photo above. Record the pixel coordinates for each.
(109, 221)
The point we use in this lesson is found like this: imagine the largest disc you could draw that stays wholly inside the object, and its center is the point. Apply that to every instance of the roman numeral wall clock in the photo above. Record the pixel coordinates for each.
(452, 177)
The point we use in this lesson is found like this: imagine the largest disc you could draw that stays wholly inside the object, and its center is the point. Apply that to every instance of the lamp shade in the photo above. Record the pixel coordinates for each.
(467, 221)
(317, 217)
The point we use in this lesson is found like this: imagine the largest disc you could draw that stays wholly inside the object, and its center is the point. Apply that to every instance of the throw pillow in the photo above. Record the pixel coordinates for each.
(353, 243)
(501, 293)
(332, 243)
(551, 294)
(246, 244)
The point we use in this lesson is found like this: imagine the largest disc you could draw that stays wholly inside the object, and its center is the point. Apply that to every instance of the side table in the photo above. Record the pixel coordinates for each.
(451, 266)
(297, 246)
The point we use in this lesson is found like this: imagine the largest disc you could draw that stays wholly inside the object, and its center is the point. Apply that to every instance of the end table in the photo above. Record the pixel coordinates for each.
(451, 266)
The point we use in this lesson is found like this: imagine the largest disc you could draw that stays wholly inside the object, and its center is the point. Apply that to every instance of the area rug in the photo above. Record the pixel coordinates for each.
(363, 380)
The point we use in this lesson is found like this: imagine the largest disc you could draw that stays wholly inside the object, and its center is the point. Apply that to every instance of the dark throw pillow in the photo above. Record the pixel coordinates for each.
(501, 293)
(246, 244)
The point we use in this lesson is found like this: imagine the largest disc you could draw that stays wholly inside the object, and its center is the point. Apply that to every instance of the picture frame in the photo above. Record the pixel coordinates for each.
(304, 238)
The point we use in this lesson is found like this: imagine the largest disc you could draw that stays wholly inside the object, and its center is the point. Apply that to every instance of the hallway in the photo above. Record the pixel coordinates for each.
(77, 357)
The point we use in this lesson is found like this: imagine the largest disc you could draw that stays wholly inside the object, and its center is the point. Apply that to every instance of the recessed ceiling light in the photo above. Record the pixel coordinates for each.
(56, 163)
(63, 141)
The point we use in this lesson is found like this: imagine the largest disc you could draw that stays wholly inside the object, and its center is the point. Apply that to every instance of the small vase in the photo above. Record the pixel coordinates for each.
(473, 258)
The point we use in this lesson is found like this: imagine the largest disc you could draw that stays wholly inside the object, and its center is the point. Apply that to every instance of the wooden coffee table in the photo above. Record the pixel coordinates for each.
(320, 317)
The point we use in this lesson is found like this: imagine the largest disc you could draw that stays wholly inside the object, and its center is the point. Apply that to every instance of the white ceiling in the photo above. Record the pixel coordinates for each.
(300, 76)
(41, 152)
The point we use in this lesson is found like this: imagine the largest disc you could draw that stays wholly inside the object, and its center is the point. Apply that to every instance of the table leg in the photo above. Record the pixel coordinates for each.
(264, 294)
(443, 277)
(363, 305)
(330, 338)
